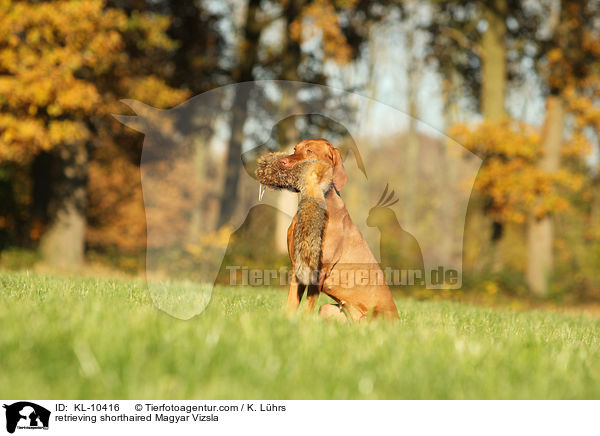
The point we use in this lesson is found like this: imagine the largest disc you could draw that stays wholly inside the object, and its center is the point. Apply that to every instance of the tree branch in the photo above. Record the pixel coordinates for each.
(463, 41)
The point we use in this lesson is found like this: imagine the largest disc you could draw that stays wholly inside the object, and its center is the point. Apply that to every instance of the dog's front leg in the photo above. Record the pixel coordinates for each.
(294, 294)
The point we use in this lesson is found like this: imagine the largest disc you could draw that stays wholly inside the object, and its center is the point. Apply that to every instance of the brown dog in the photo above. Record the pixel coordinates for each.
(349, 272)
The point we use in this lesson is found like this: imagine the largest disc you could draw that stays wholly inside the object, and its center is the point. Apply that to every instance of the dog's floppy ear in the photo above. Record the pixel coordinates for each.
(339, 173)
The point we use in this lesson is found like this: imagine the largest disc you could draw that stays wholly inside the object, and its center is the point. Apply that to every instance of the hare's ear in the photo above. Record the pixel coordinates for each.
(339, 173)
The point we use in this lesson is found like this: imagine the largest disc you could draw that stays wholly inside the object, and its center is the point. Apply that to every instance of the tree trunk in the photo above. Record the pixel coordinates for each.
(248, 55)
(540, 231)
(493, 91)
(233, 163)
(451, 87)
(41, 191)
(413, 71)
(62, 245)
(493, 45)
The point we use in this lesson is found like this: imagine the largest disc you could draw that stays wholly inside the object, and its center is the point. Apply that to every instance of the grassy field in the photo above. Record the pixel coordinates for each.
(83, 338)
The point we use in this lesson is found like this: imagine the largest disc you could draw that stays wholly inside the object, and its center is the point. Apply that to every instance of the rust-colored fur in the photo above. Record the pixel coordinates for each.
(343, 249)
(312, 178)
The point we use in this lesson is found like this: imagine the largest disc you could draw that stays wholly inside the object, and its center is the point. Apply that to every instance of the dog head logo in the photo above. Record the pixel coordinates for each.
(199, 188)
(26, 415)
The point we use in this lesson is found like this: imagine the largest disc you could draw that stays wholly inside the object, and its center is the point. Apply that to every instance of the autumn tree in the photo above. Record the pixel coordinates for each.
(471, 44)
(568, 64)
(529, 175)
(63, 67)
(116, 210)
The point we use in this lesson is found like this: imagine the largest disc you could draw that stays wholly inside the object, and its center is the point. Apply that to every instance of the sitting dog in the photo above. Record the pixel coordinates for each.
(343, 254)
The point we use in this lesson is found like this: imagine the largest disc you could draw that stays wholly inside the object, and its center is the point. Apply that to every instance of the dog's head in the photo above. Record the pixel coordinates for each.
(322, 150)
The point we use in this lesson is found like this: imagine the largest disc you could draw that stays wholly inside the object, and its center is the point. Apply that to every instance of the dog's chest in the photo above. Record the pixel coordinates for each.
(333, 239)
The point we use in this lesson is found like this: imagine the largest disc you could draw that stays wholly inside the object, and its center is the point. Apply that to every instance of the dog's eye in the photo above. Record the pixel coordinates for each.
(309, 151)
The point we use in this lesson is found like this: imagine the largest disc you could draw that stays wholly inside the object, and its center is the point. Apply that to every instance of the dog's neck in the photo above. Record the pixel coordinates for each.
(334, 200)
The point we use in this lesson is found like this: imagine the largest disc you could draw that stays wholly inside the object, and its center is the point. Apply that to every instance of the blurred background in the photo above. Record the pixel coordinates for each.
(515, 82)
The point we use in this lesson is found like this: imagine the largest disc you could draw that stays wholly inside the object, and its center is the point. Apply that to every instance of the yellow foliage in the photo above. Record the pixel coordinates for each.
(208, 242)
(510, 176)
(319, 19)
(59, 62)
(491, 287)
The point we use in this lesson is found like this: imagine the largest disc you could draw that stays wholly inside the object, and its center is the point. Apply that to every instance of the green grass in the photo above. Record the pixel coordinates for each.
(78, 338)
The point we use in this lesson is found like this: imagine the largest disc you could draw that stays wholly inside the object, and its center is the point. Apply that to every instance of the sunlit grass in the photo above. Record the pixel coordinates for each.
(74, 337)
